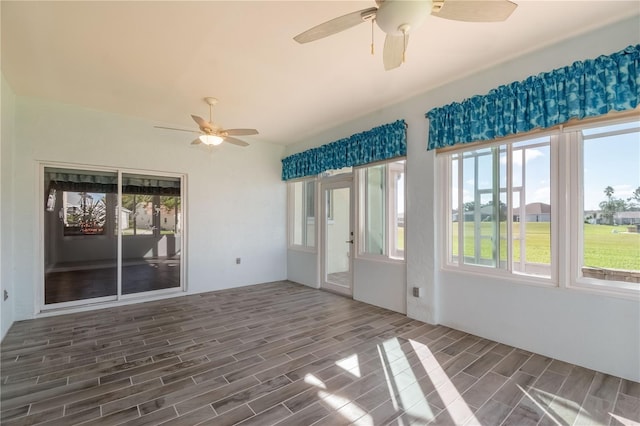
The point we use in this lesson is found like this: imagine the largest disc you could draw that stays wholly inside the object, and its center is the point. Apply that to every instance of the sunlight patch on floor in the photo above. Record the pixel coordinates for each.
(388, 379)
(350, 364)
(458, 410)
(560, 410)
(623, 420)
(314, 381)
(354, 414)
(536, 401)
(402, 382)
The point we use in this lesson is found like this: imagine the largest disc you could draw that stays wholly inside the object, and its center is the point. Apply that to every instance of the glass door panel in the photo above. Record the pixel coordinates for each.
(80, 243)
(338, 238)
(151, 233)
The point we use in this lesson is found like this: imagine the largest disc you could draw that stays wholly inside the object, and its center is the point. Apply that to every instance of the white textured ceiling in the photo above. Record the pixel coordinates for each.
(158, 59)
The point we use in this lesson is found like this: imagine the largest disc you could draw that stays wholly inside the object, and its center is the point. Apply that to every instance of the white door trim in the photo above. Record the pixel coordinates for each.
(341, 288)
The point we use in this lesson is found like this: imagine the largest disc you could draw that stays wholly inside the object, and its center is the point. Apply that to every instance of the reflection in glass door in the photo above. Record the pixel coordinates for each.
(151, 232)
(95, 250)
(337, 237)
(80, 254)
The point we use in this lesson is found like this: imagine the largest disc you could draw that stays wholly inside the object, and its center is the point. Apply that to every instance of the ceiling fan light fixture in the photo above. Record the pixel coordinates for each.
(210, 139)
(394, 14)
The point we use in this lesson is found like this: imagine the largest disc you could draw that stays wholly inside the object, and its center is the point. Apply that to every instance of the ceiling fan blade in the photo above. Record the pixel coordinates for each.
(394, 48)
(196, 141)
(173, 128)
(336, 25)
(474, 10)
(235, 141)
(202, 123)
(240, 132)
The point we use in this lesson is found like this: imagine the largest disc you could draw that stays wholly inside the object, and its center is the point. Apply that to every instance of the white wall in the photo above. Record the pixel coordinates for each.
(7, 115)
(302, 268)
(377, 284)
(235, 198)
(598, 332)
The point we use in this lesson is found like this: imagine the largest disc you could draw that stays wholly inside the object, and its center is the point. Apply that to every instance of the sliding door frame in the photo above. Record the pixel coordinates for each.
(119, 297)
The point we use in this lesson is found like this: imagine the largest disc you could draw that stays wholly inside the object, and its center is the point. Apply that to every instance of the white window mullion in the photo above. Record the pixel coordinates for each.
(562, 168)
(305, 214)
(495, 196)
(390, 212)
(523, 211)
(573, 182)
(509, 189)
(461, 212)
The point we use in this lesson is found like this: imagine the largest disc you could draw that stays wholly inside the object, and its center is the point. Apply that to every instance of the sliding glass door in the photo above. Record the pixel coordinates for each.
(98, 250)
(151, 234)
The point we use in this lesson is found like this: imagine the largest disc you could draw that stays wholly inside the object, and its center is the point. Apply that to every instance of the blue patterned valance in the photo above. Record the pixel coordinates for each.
(379, 143)
(585, 89)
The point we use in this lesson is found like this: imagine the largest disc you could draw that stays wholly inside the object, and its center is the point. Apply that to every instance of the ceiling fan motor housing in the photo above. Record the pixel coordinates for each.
(397, 17)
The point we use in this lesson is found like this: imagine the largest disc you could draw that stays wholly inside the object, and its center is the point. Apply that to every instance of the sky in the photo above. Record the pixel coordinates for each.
(608, 161)
(611, 161)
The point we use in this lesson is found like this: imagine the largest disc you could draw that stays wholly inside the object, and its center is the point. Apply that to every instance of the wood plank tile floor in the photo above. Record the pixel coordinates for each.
(281, 353)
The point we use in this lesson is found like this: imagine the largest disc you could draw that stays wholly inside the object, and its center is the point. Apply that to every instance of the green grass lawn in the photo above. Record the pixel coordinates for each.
(605, 246)
(611, 247)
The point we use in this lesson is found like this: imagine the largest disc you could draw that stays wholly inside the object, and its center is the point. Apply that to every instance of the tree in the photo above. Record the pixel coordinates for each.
(469, 206)
(502, 209)
(611, 206)
(634, 200)
(608, 191)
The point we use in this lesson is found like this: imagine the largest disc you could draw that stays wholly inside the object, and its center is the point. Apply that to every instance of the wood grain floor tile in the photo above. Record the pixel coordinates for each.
(282, 353)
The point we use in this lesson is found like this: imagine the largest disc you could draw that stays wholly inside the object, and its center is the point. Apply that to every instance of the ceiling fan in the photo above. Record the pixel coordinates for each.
(212, 134)
(397, 18)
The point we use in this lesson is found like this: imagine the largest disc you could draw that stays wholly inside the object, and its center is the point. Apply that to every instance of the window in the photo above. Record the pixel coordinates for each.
(500, 211)
(509, 209)
(302, 201)
(609, 205)
(396, 219)
(382, 210)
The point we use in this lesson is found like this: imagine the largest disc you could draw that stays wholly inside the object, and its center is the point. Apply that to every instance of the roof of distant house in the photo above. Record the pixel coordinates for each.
(628, 215)
(538, 208)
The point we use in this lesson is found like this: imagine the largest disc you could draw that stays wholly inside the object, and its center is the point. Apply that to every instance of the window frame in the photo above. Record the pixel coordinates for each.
(291, 245)
(444, 165)
(389, 253)
(566, 150)
(394, 169)
(574, 155)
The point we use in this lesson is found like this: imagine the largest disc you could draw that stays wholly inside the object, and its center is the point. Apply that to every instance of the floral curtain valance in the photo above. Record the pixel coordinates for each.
(379, 143)
(584, 89)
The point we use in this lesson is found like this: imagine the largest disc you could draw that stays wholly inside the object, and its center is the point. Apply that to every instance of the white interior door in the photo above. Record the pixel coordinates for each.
(337, 236)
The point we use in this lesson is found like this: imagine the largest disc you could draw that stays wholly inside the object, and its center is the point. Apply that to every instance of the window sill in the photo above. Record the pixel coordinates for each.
(303, 249)
(621, 290)
(380, 259)
(510, 277)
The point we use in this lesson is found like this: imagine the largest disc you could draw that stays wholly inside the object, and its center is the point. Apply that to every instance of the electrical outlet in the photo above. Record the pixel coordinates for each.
(6, 295)
(238, 260)
(417, 292)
